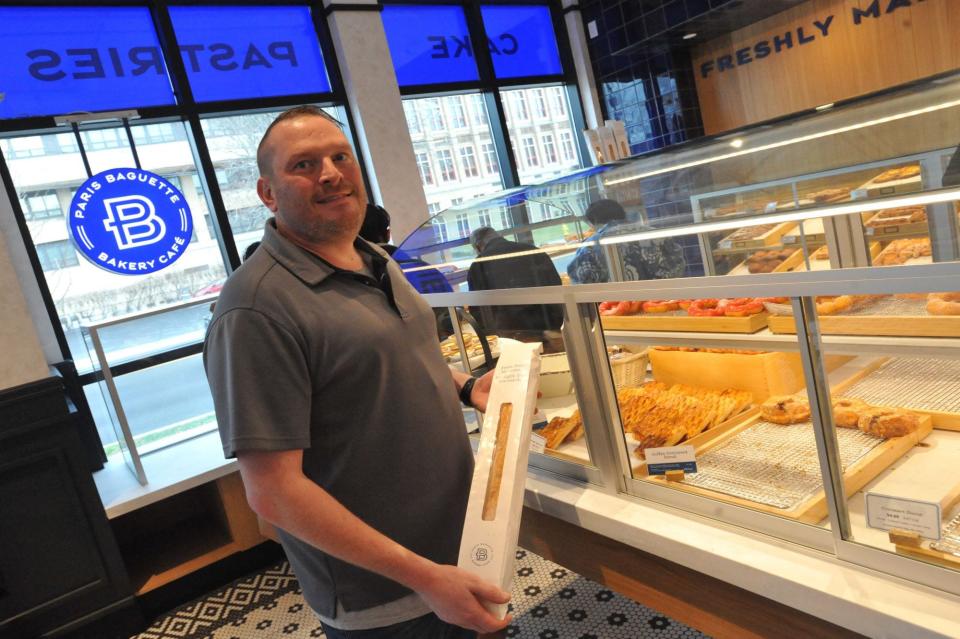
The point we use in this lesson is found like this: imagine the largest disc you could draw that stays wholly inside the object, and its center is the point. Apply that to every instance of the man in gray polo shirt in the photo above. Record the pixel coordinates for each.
(331, 392)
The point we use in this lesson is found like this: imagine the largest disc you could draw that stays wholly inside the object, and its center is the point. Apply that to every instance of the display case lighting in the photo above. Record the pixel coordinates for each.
(824, 107)
(736, 143)
(784, 143)
(689, 36)
(831, 210)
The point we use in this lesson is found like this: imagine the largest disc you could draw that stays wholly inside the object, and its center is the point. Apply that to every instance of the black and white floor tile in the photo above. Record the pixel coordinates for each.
(549, 602)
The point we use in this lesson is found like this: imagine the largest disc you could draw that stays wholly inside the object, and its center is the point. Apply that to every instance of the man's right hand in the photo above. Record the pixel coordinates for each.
(457, 597)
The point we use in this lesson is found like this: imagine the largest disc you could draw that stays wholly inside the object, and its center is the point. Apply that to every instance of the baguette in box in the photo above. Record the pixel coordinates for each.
(492, 523)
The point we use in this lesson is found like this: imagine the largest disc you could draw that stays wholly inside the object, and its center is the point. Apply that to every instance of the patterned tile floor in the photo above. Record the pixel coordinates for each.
(549, 602)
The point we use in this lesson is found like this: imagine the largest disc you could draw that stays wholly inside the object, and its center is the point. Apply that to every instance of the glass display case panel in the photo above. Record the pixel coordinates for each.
(901, 390)
(558, 419)
(159, 402)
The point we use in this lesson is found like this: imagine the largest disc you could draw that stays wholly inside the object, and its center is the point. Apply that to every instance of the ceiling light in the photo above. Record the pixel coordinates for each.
(736, 143)
(689, 36)
(776, 145)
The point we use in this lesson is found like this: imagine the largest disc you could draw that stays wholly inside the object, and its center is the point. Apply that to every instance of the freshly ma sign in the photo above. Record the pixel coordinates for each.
(50, 65)
(800, 36)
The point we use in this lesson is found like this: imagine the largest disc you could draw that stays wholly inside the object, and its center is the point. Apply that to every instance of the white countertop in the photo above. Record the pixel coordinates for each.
(819, 584)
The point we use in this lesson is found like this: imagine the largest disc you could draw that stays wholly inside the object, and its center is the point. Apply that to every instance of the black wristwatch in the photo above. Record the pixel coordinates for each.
(465, 391)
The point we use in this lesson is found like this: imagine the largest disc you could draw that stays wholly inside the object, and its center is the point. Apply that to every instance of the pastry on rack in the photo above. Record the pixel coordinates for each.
(888, 422)
(785, 409)
(847, 411)
(900, 251)
(897, 216)
(943, 303)
(767, 261)
(822, 253)
(898, 173)
(561, 429)
(827, 196)
(749, 232)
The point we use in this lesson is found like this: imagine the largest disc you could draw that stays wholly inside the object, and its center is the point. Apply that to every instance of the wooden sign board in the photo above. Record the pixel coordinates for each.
(820, 52)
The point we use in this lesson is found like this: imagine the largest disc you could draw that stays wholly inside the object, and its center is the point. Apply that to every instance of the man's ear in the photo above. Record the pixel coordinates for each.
(265, 191)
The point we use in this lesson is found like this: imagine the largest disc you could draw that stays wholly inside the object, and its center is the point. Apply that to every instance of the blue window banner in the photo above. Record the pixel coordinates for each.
(237, 52)
(59, 60)
(522, 40)
(130, 221)
(429, 44)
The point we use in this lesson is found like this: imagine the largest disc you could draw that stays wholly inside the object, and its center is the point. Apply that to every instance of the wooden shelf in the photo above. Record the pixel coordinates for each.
(181, 534)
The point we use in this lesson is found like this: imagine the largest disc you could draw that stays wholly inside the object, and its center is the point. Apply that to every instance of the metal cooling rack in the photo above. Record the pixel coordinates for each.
(950, 541)
(773, 464)
(920, 384)
(895, 306)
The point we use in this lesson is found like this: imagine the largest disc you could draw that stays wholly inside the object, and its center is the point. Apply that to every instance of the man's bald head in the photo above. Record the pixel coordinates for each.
(265, 153)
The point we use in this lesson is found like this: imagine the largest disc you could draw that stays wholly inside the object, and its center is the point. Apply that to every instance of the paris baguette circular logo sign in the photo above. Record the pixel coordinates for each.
(130, 221)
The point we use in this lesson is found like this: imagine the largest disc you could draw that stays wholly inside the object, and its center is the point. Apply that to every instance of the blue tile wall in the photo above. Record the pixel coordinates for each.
(644, 80)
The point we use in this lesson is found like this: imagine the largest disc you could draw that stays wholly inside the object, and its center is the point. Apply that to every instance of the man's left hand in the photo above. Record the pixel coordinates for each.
(481, 391)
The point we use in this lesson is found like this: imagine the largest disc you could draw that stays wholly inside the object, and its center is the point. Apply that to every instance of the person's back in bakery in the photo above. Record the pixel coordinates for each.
(660, 258)
(525, 322)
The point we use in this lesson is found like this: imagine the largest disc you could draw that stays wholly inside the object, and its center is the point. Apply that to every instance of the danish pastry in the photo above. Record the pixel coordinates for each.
(785, 409)
(943, 303)
(847, 411)
(888, 422)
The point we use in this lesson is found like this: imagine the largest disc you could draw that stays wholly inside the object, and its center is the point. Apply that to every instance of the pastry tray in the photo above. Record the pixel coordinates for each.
(925, 385)
(884, 317)
(681, 321)
(950, 540)
(776, 469)
(773, 464)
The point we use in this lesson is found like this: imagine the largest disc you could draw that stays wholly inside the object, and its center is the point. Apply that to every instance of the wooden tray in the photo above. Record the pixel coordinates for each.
(787, 265)
(767, 239)
(873, 189)
(701, 443)
(899, 230)
(941, 420)
(813, 229)
(684, 323)
(814, 509)
(875, 325)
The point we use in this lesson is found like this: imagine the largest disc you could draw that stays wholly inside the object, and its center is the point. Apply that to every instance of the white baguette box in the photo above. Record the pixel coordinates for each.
(492, 524)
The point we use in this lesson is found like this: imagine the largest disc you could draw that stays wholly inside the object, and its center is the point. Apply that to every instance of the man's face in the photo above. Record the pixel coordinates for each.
(314, 186)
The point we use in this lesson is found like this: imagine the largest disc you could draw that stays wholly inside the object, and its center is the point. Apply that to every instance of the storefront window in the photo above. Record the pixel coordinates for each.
(534, 140)
(446, 149)
(83, 293)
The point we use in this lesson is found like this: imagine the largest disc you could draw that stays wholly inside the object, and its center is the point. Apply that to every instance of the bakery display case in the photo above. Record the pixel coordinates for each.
(817, 391)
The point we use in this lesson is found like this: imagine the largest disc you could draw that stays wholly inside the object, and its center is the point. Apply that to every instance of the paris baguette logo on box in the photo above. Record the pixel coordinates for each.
(130, 221)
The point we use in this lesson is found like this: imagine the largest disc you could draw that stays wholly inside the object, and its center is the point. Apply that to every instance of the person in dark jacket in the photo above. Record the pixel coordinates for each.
(526, 322)
(641, 260)
(376, 229)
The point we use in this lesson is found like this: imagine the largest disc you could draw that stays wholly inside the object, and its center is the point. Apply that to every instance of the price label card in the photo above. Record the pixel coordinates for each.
(660, 460)
(538, 443)
(888, 513)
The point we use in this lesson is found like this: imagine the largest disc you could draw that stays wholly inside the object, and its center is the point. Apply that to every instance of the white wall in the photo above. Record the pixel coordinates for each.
(22, 358)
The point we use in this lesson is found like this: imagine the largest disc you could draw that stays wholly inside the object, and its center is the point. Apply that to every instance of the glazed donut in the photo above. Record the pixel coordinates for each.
(888, 422)
(684, 304)
(832, 305)
(785, 409)
(774, 300)
(607, 308)
(704, 308)
(660, 306)
(742, 307)
(847, 411)
(943, 303)
(636, 307)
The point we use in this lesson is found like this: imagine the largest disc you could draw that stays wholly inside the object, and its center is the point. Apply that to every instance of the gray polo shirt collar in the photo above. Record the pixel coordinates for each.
(312, 270)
